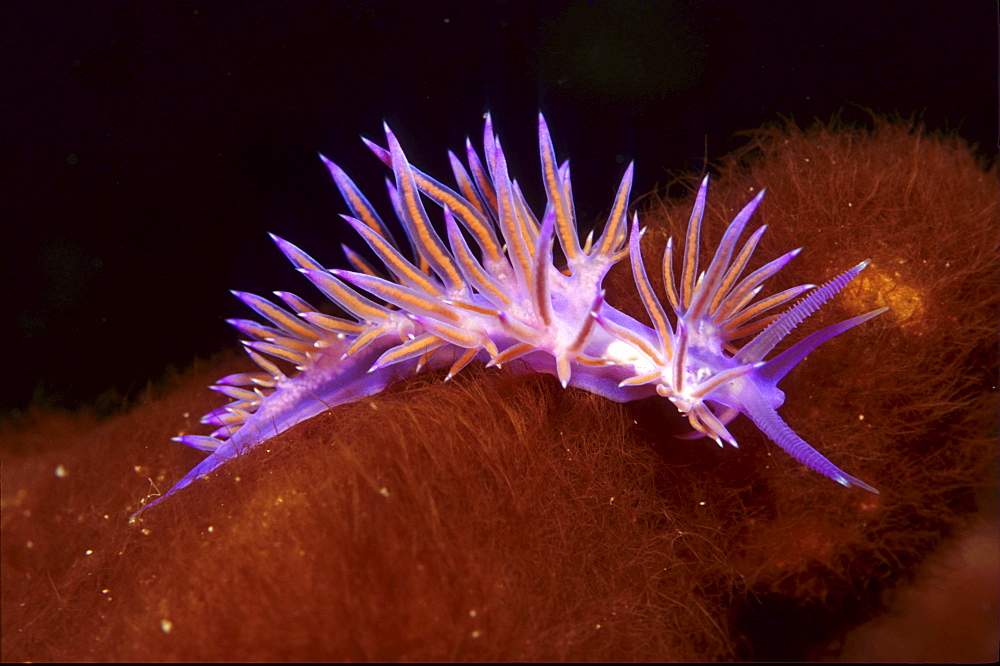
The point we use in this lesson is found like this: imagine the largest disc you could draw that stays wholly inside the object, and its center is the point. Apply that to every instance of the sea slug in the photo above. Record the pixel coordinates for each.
(444, 303)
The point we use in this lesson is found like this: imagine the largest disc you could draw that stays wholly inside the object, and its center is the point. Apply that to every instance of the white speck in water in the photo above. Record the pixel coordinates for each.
(89, 552)
(61, 472)
(472, 613)
(166, 626)
(384, 492)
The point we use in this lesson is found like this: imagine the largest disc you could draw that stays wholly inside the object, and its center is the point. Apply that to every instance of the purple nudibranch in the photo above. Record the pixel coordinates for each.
(447, 304)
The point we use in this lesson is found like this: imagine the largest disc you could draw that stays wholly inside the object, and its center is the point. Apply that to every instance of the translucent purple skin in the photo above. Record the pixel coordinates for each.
(449, 305)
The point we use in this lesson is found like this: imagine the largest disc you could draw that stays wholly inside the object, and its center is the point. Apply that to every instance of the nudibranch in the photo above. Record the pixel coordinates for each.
(444, 302)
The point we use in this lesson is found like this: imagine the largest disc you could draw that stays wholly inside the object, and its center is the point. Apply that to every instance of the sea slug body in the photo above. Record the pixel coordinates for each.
(502, 299)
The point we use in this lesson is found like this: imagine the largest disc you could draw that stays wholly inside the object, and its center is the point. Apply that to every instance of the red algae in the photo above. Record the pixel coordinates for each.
(498, 517)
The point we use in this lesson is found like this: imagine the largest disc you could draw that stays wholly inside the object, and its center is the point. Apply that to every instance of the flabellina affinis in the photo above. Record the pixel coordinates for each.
(444, 301)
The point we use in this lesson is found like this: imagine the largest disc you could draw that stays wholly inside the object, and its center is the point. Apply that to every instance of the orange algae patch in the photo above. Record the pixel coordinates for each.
(880, 287)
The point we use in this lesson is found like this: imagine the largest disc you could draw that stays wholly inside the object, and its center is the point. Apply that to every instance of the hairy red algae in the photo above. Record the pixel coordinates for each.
(499, 517)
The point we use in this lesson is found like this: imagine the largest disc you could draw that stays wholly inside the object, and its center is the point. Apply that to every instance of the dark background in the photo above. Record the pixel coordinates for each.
(147, 147)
